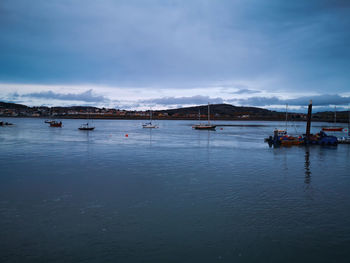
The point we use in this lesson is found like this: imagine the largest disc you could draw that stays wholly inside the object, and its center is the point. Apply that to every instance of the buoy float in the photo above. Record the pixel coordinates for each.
(221, 128)
(126, 135)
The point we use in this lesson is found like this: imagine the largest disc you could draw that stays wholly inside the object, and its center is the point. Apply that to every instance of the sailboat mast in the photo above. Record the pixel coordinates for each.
(286, 115)
(349, 120)
(335, 114)
(208, 114)
(150, 115)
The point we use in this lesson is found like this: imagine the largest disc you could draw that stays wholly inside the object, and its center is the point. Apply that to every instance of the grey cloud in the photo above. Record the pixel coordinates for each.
(87, 96)
(245, 91)
(321, 100)
(195, 100)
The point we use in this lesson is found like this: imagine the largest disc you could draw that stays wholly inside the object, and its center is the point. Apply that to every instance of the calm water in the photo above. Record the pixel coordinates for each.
(171, 194)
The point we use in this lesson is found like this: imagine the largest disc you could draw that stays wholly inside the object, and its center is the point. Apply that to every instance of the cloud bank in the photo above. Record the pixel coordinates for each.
(321, 100)
(299, 44)
(87, 96)
(193, 100)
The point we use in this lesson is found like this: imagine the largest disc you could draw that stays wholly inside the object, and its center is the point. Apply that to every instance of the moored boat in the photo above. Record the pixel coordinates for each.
(334, 129)
(86, 127)
(280, 137)
(56, 124)
(205, 126)
(149, 124)
(3, 123)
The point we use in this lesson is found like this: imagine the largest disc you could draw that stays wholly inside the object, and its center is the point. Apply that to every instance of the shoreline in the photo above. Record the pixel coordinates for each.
(170, 119)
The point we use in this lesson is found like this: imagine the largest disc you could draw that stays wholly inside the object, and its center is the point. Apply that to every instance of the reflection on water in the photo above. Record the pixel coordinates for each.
(307, 166)
(171, 194)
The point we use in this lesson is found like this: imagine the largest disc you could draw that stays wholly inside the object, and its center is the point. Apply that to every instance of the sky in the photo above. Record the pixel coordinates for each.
(136, 54)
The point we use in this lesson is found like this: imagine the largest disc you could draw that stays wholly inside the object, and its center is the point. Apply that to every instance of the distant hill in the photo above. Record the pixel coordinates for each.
(342, 116)
(224, 111)
(9, 105)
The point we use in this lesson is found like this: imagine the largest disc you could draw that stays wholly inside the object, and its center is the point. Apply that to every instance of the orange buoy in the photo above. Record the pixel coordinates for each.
(126, 135)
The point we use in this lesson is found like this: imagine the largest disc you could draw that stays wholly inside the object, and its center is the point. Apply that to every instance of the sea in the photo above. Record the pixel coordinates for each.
(122, 193)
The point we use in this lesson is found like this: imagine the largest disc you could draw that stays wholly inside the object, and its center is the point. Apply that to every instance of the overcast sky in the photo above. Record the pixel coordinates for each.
(159, 53)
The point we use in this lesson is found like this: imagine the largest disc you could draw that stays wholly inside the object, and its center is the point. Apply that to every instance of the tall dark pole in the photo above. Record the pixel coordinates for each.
(308, 125)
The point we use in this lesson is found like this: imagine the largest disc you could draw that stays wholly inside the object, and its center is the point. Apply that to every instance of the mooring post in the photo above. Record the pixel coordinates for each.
(308, 124)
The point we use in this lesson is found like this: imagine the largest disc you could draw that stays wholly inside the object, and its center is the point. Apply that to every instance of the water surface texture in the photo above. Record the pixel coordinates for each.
(171, 194)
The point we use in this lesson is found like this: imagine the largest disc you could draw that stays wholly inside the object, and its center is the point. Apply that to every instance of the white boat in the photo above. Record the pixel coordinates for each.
(205, 126)
(346, 139)
(149, 124)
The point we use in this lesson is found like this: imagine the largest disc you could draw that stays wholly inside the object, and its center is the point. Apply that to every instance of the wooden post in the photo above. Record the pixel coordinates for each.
(308, 125)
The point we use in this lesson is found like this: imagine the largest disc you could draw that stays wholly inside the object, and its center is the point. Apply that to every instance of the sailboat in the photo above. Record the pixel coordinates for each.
(149, 124)
(334, 128)
(205, 126)
(86, 126)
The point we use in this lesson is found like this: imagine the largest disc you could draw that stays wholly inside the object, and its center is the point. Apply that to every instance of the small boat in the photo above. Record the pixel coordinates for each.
(2, 123)
(86, 127)
(281, 138)
(205, 126)
(56, 124)
(149, 124)
(48, 121)
(344, 140)
(333, 128)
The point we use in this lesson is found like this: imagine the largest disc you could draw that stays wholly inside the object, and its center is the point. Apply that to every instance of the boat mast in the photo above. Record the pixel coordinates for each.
(286, 115)
(208, 114)
(335, 114)
(349, 120)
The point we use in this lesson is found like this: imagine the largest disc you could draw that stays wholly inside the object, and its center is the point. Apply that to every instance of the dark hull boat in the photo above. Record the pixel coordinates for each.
(2, 123)
(204, 127)
(86, 127)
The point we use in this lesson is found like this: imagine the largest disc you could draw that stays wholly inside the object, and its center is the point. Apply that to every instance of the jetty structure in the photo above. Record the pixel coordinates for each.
(283, 139)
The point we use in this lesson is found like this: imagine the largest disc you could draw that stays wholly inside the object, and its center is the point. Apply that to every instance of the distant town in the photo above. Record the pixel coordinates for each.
(217, 112)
